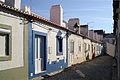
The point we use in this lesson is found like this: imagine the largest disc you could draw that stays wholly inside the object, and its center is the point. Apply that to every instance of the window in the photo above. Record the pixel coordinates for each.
(72, 46)
(92, 48)
(5, 42)
(59, 45)
(85, 47)
(97, 47)
(79, 46)
(88, 47)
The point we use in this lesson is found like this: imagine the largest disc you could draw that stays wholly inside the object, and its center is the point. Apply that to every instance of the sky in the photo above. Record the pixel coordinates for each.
(98, 14)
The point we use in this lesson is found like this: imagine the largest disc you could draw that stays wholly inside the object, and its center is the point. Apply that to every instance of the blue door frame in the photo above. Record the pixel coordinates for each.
(31, 54)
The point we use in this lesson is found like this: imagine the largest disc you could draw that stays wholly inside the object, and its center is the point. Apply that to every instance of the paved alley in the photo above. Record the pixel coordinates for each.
(98, 69)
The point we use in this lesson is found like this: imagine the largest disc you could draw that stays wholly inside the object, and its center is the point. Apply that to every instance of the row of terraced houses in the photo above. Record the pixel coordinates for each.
(32, 46)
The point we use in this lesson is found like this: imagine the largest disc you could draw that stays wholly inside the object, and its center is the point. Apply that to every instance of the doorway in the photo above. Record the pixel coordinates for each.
(39, 52)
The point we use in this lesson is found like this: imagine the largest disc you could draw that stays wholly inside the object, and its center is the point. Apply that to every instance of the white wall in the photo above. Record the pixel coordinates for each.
(78, 56)
(88, 42)
(17, 42)
(51, 35)
(110, 49)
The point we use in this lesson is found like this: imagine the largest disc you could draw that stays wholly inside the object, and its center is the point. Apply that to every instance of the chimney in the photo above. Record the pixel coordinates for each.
(91, 34)
(56, 14)
(13, 3)
(72, 23)
(84, 30)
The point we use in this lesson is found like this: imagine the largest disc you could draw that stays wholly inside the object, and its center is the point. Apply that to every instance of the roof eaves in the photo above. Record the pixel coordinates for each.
(38, 18)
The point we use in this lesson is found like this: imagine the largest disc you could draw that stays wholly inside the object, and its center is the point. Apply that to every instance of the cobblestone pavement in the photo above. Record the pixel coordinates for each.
(98, 69)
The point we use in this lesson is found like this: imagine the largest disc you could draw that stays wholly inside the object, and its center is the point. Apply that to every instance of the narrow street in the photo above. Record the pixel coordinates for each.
(98, 69)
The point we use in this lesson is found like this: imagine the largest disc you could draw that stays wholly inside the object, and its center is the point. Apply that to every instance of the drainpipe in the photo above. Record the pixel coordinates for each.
(67, 49)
